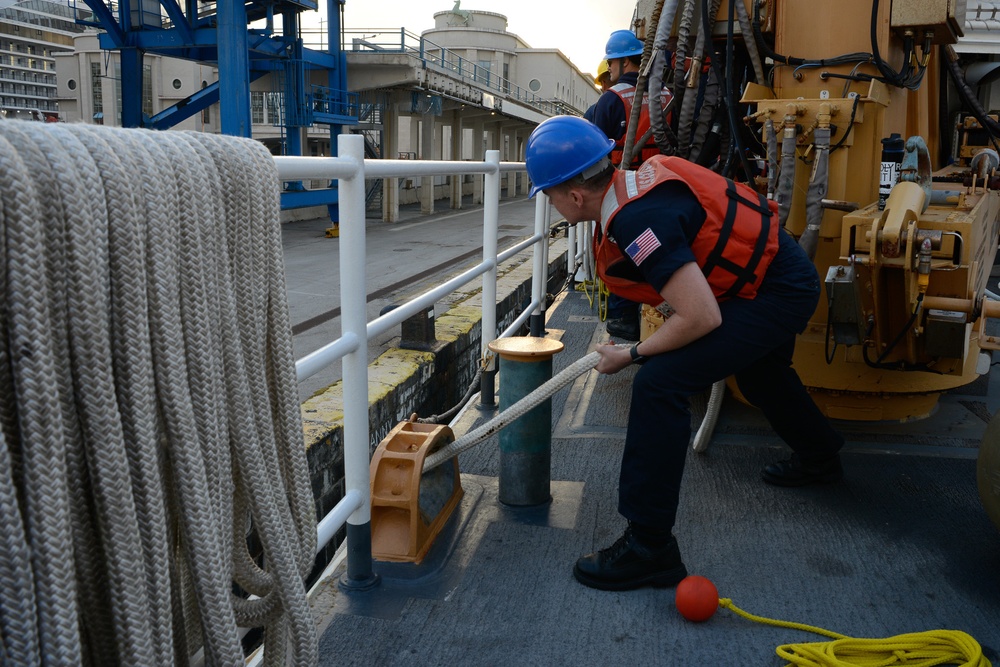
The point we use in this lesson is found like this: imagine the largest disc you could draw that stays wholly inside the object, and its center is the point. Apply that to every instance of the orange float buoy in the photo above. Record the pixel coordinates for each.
(697, 598)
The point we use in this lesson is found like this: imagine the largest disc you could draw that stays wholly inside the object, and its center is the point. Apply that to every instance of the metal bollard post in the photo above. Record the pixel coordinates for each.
(525, 444)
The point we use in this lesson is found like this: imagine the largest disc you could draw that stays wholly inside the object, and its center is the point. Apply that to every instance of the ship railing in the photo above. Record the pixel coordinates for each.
(351, 169)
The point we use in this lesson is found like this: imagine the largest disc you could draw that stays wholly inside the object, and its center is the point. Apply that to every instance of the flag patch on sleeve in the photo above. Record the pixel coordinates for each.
(643, 246)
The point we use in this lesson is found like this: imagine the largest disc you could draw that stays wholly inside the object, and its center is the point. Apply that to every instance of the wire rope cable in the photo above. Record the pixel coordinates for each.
(148, 403)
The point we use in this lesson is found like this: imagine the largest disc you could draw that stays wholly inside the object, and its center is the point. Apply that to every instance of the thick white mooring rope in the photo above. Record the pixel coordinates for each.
(514, 412)
(148, 404)
(699, 441)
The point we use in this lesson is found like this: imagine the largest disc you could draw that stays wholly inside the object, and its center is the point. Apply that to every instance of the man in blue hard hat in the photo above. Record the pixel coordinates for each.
(735, 289)
(623, 53)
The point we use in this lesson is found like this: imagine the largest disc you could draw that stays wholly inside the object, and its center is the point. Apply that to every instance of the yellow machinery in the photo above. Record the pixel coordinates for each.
(906, 285)
(905, 302)
(897, 326)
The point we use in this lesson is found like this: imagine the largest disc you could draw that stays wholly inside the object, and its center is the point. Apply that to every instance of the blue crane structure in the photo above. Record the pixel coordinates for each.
(219, 33)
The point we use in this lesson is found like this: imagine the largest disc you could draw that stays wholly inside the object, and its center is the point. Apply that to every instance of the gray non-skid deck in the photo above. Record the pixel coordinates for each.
(902, 545)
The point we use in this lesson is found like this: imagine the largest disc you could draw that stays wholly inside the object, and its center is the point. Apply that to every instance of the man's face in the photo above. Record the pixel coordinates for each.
(566, 202)
(614, 70)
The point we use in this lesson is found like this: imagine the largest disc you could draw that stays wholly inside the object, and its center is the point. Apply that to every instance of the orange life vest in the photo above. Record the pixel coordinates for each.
(626, 93)
(734, 246)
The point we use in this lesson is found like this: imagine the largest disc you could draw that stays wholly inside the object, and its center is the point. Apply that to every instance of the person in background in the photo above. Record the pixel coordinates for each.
(735, 289)
(623, 54)
(603, 81)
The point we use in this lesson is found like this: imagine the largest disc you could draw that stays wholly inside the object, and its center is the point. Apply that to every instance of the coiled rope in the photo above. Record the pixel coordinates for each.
(915, 649)
(148, 404)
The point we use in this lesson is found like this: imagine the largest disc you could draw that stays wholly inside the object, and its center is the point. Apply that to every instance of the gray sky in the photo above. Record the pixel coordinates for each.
(578, 28)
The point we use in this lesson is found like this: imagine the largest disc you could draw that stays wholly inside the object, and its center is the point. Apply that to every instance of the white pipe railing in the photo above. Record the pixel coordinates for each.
(351, 170)
(491, 218)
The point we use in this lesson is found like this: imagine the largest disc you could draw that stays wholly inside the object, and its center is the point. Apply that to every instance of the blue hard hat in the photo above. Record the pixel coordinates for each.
(622, 44)
(562, 147)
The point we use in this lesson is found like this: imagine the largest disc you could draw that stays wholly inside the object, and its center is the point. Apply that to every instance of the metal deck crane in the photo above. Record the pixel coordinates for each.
(219, 34)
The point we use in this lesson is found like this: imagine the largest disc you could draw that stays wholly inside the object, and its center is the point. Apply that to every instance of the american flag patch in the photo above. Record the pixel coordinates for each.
(643, 246)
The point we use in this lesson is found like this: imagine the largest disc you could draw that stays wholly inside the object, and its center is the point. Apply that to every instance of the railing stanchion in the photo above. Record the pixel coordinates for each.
(354, 320)
(571, 256)
(491, 214)
(537, 322)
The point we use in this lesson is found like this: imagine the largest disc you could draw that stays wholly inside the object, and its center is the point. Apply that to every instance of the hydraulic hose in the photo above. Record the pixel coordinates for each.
(817, 191)
(727, 77)
(628, 149)
(664, 137)
(969, 96)
(694, 78)
(702, 151)
(772, 157)
(786, 174)
(750, 41)
(681, 51)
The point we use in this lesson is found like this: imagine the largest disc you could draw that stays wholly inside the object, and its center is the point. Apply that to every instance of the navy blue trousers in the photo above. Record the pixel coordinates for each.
(619, 305)
(755, 343)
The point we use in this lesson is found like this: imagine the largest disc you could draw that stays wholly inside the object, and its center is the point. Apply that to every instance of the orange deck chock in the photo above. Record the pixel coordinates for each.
(410, 508)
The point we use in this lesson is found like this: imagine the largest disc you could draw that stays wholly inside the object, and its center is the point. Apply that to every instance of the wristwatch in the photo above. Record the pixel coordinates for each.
(634, 353)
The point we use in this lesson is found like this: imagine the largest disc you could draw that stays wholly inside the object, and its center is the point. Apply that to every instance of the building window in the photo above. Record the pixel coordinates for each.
(483, 71)
(97, 95)
(176, 83)
(118, 93)
(206, 116)
(257, 107)
(147, 90)
(535, 85)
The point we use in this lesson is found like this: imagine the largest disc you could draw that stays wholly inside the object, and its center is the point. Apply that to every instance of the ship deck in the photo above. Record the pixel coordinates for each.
(901, 545)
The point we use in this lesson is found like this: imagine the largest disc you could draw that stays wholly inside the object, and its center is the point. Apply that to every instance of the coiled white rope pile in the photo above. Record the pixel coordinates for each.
(148, 402)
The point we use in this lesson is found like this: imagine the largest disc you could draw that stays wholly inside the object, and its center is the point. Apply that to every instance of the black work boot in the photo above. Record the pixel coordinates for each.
(632, 563)
(796, 472)
(625, 327)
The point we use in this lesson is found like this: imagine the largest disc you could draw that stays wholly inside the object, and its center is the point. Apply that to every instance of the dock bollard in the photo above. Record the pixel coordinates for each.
(525, 444)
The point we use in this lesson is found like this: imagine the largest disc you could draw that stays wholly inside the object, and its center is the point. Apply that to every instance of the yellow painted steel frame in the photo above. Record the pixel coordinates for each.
(847, 387)
(889, 289)
(862, 113)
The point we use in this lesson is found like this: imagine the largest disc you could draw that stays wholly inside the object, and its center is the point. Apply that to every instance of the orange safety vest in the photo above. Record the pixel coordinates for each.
(626, 93)
(734, 246)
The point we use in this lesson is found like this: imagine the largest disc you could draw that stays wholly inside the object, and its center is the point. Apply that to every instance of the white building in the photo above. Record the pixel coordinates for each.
(481, 38)
(89, 85)
(32, 32)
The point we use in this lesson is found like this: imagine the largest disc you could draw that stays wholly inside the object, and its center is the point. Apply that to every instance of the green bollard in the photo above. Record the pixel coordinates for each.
(525, 444)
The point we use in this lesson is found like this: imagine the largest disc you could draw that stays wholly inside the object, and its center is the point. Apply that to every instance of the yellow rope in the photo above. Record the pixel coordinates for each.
(915, 649)
(596, 290)
(586, 286)
(602, 300)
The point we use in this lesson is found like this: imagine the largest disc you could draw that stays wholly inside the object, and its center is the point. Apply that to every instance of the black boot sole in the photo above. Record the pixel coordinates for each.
(665, 579)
